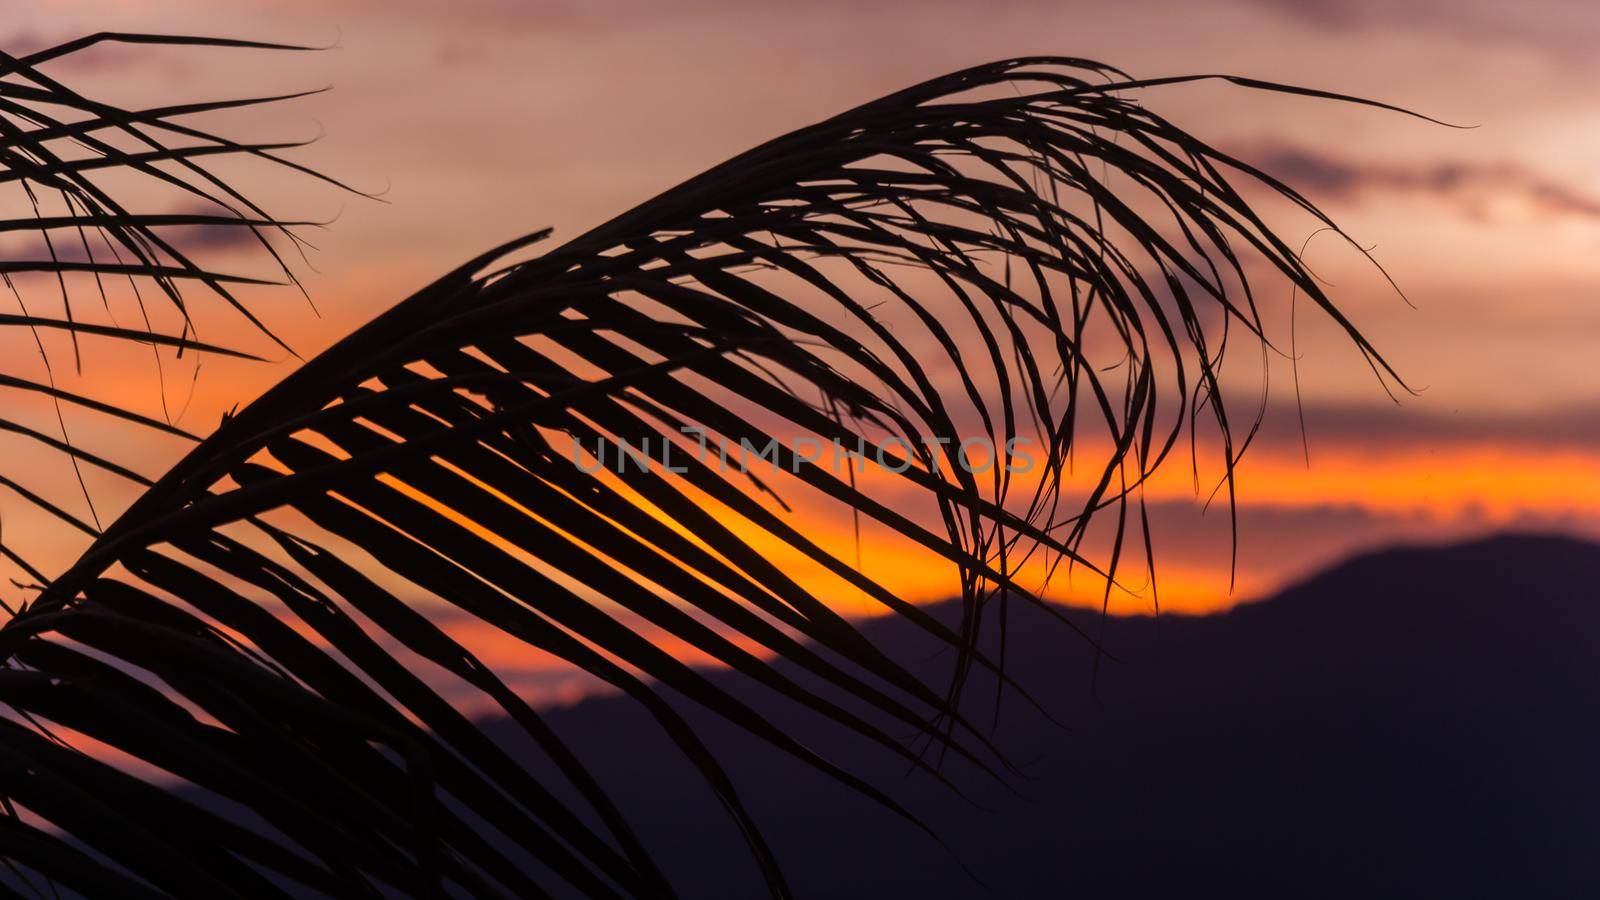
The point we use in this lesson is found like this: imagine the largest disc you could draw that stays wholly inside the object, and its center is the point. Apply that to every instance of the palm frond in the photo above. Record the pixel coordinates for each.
(1021, 250)
(76, 223)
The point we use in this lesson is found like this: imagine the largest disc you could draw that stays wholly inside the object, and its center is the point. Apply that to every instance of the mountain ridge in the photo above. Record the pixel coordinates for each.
(1410, 721)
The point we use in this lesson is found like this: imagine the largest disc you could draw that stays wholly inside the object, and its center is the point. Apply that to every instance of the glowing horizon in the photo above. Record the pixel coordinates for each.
(1489, 232)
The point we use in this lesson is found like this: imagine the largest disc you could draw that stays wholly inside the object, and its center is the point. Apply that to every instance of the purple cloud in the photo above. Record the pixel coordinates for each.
(1322, 176)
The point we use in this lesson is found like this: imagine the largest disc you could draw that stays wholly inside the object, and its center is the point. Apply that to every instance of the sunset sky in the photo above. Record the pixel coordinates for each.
(481, 121)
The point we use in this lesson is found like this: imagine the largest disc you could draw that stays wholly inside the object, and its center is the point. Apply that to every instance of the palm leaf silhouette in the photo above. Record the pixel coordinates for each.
(55, 145)
(1019, 250)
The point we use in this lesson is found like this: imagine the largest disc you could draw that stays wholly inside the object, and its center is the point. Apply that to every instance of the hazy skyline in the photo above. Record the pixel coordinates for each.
(495, 119)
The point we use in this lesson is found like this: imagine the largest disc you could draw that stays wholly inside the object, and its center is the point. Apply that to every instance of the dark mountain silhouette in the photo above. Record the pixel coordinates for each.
(1415, 722)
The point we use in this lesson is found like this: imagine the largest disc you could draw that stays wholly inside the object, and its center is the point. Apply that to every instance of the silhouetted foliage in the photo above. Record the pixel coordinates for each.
(1018, 250)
